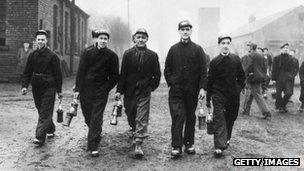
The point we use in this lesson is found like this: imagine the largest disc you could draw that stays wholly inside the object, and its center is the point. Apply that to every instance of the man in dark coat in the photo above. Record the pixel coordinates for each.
(301, 75)
(97, 74)
(295, 67)
(139, 76)
(255, 72)
(43, 71)
(226, 79)
(186, 75)
(282, 73)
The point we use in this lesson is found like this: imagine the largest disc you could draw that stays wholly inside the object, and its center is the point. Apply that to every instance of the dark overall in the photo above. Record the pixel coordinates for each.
(44, 73)
(185, 73)
(226, 78)
(97, 75)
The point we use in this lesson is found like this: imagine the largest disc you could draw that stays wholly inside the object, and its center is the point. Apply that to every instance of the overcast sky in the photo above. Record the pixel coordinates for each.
(160, 17)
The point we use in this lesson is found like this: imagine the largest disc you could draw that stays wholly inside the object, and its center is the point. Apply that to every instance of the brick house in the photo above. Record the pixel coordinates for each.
(20, 19)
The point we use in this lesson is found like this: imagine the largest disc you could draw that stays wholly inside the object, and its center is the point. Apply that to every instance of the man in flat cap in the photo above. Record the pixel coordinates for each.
(186, 75)
(282, 74)
(255, 72)
(97, 74)
(43, 71)
(139, 76)
(226, 79)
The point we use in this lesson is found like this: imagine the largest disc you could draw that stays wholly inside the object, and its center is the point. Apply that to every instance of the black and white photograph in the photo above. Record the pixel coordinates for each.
(151, 85)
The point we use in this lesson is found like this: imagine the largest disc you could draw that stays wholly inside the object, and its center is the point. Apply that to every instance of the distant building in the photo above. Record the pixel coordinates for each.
(208, 27)
(273, 31)
(20, 19)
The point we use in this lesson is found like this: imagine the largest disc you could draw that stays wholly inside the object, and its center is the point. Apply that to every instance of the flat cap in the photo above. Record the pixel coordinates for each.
(285, 44)
(222, 37)
(97, 33)
(142, 31)
(42, 32)
(184, 23)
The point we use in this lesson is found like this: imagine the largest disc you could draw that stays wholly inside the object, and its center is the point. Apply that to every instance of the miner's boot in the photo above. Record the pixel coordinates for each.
(138, 151)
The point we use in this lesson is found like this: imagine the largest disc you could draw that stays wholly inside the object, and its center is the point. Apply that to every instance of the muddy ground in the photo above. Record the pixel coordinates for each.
(282, 136)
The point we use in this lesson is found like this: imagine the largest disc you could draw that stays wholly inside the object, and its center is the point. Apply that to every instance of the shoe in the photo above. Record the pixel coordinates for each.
(95, 154)
(228, 143)
(189, 149)
(38, 142)
(218, 153)
(265, 96)
(50, 135)
(176, 152)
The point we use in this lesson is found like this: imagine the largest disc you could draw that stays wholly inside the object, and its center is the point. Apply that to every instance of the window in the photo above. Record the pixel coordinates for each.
(2, 41)
(2, 23)
(55, 30)
(40, 24)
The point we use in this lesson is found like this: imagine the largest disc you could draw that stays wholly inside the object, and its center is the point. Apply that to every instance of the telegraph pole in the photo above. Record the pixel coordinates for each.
(128, 8)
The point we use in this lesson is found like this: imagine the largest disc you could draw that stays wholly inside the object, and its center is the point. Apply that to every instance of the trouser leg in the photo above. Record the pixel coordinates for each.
(247, 101)
(301, 98)
(142, 118)
(219, 121)
(191, 104)
(288, 91)
(46, 107)
(232, 109)
(257, 94)
(95, 127)
(279, 90)
(177, 111)
(130, 105)
(86, 101)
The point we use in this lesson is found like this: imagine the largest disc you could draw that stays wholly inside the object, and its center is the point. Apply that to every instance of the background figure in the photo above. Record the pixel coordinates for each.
(22, 56)
(255, 72)
(301, 75)
(295, 60)
(282, 74)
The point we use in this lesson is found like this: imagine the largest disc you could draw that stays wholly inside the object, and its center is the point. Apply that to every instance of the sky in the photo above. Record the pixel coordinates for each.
(160, 17)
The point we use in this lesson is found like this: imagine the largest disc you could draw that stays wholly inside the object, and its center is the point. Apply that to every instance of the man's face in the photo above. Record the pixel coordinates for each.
(265, 51)
(248, 48)
(260, 51)
(224, 46)
(292, 53)
(41, 41)
(140, 39)
(185, 32)
(285, 49)
(102, 41)
(26, 45)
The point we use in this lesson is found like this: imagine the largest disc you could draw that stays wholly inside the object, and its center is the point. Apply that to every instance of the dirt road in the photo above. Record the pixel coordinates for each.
(282, 136)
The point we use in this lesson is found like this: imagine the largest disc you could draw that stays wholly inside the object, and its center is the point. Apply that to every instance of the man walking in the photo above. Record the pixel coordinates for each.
(226, 79)
(282, 73)
(97, 74)
(186, 75)
(139, 76)
(255, 72)
(43, 71)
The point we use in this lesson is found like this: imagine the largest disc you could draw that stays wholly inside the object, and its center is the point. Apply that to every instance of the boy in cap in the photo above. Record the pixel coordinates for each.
(282, 74)
(97, 74)
(43, 71)
(139, 76)
(186, 75)
(226, 79)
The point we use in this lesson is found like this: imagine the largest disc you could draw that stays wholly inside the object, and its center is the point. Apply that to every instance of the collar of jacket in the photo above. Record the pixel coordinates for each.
(185, 42)
(144, 48)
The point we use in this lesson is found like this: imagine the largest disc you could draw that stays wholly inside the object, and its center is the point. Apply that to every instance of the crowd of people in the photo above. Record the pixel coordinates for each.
(189, 76)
